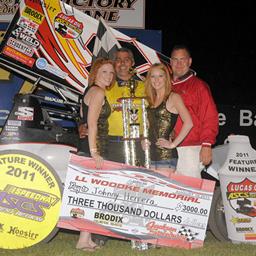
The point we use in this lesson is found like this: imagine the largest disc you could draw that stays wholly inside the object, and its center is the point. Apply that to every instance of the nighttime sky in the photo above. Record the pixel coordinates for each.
(221, 39)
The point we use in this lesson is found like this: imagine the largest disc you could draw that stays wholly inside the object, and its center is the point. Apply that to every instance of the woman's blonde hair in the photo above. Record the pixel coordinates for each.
(149, 89)
(98, 63)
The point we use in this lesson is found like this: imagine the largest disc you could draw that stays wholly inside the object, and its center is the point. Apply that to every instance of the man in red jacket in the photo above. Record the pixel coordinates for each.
(195, 150)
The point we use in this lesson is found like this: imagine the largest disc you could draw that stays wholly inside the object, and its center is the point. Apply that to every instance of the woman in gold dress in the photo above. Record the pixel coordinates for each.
(163, 110)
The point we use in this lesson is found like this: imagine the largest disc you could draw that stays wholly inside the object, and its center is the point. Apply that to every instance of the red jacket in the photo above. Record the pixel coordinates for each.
(198, 99)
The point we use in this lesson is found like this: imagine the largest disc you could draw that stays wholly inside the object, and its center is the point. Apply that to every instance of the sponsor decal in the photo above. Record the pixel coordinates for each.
(24, 233)
(251, 236)
(42, 64)
(28, 61)
(108, 217)
(28, 39)
(21, 47)
(13, 122)
(27, 25)
(68, 26)
(10, 138)
(25, 113)
(10, 134)
(52, 99)
(161, 229)
(33, 15)
(30, 199)
(77, 213)
(244, 229)
(11, 128)
(235, 220)
(242, 196)
(26, 203)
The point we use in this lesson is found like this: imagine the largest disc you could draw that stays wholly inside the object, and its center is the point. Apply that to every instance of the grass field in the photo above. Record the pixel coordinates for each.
(63, 244)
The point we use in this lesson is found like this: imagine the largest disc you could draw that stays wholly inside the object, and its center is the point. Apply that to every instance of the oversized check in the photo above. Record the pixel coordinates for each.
(135, 203)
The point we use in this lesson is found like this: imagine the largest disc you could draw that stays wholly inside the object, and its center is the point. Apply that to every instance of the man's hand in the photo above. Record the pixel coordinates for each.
(83, 131)
(206, 155)
(163, 143)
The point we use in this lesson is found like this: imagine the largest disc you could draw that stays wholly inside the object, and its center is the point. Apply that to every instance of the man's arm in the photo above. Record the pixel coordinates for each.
(208, 116)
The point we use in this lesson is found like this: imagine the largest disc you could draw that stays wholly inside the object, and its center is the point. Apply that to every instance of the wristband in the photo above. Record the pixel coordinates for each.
(93, 150)
(207, 145)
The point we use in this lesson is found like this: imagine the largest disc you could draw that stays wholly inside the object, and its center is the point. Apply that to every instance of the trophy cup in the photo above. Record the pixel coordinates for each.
(132, 108)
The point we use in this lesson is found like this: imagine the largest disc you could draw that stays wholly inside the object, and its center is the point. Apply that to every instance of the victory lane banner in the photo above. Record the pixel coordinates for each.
(135, 203)
(30, 199)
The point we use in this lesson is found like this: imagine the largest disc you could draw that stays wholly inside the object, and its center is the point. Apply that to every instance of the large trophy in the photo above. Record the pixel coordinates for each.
(132, 107)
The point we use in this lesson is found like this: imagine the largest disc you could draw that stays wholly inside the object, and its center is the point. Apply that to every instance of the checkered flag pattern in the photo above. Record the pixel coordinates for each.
(17, 31)
(187, 233)
(105, 42)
